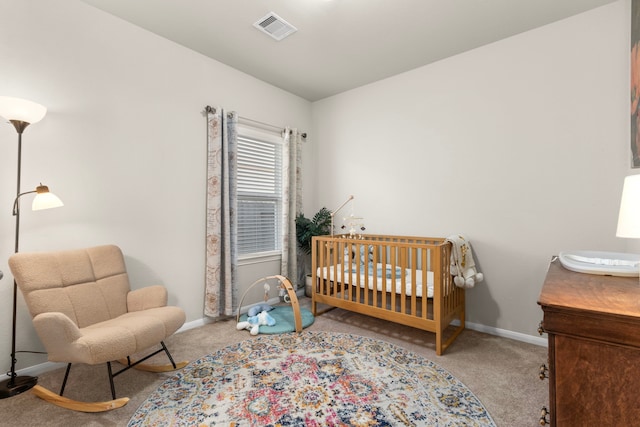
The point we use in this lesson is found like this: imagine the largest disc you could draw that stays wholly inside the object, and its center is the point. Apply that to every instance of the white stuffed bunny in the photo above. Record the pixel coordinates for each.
(253, 323)
(463, 266)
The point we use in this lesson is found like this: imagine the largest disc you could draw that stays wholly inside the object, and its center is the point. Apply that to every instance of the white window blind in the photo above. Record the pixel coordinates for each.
(259, 193)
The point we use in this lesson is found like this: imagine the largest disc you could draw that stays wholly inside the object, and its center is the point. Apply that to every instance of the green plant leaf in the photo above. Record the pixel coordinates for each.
(306, 228)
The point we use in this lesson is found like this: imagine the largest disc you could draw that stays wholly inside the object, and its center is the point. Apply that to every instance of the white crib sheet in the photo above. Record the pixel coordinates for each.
(351, 275)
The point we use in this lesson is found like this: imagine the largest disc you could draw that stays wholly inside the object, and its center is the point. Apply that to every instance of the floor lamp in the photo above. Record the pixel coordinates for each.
(21, 113)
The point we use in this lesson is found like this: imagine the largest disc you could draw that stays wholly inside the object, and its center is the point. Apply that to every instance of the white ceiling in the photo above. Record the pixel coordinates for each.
(340, 44)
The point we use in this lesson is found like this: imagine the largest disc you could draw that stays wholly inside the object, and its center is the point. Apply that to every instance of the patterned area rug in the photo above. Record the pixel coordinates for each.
(312, 379)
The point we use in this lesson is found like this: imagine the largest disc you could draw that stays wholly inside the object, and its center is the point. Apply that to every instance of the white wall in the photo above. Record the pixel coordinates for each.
(123, 144)
(522, 145)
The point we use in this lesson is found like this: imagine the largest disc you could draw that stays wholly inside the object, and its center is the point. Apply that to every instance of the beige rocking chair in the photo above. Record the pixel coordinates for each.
(84, 312)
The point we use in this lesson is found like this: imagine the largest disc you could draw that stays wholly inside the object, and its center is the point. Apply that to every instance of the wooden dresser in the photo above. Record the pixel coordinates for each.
(593, 325)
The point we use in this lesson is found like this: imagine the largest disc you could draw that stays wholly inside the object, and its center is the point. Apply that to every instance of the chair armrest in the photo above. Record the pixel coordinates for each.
(145, 298)
(57, 332)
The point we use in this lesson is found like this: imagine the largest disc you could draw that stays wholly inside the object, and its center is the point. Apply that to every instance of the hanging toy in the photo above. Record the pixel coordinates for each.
(267, 288)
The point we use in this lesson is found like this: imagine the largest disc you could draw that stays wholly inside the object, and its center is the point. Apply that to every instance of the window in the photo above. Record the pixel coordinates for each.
(259, 192)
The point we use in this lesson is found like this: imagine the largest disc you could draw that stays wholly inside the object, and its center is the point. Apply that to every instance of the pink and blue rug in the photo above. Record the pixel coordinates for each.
(312, 379)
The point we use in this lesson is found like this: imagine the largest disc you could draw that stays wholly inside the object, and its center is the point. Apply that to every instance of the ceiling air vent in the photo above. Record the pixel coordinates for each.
(275, 26)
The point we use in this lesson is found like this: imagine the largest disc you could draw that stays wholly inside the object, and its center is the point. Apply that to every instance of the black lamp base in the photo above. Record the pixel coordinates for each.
(20, 384)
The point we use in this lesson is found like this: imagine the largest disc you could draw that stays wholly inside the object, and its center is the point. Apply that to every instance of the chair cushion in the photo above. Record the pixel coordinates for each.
(107, 341)
(130, 333)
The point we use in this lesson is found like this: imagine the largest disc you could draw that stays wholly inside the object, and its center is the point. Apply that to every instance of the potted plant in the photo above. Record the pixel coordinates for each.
(306, 228)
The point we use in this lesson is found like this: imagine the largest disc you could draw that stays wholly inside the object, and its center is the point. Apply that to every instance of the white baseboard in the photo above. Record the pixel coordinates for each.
(35, 370)
(195, 324)
(507, 334)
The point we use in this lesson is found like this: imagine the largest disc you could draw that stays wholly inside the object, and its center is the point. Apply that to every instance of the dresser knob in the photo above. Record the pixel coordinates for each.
(543, 373)
(540, 328)
(543, 416)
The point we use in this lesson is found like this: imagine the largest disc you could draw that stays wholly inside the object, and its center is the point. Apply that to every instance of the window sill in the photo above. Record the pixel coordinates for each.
(259, 258)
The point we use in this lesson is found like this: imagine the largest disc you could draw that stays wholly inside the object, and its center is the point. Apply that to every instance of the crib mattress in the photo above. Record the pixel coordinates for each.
(383, 277)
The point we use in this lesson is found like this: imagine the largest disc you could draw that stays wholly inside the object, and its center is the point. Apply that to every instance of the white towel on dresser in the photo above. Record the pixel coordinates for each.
(463, 265)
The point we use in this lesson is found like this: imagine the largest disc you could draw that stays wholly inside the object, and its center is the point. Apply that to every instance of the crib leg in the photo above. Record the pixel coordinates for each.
(448, 342)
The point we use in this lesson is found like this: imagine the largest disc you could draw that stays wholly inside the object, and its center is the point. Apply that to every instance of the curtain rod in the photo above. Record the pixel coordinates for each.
(267, 125)
(256, 122)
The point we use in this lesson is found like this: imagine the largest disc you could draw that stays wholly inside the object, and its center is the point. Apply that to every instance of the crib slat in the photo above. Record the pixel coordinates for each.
(414, 284)
(403, 279)
(425, 284)
(383, 261)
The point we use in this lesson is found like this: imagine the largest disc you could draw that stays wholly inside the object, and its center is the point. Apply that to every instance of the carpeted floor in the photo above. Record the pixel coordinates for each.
(501, 373)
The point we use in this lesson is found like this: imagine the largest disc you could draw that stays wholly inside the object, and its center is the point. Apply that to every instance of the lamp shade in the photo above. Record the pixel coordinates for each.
(45, 199)
(629, 215)
(21, 110)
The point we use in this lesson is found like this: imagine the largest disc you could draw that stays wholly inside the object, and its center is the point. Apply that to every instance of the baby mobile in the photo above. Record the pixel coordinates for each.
(352, 222)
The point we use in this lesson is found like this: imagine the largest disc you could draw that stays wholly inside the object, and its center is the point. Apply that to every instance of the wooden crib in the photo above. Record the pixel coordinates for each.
(397, 278)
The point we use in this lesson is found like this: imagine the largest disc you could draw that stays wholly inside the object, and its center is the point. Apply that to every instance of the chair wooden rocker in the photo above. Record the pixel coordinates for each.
(84, 312)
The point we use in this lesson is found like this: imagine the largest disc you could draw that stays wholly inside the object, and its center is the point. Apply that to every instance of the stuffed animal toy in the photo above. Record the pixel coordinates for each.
(468, 278)
(253, 323)
(253, 311)
(463, 266)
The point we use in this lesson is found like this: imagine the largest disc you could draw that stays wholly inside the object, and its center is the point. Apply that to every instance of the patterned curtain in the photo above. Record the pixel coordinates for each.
(222, 143)
(292, 204)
